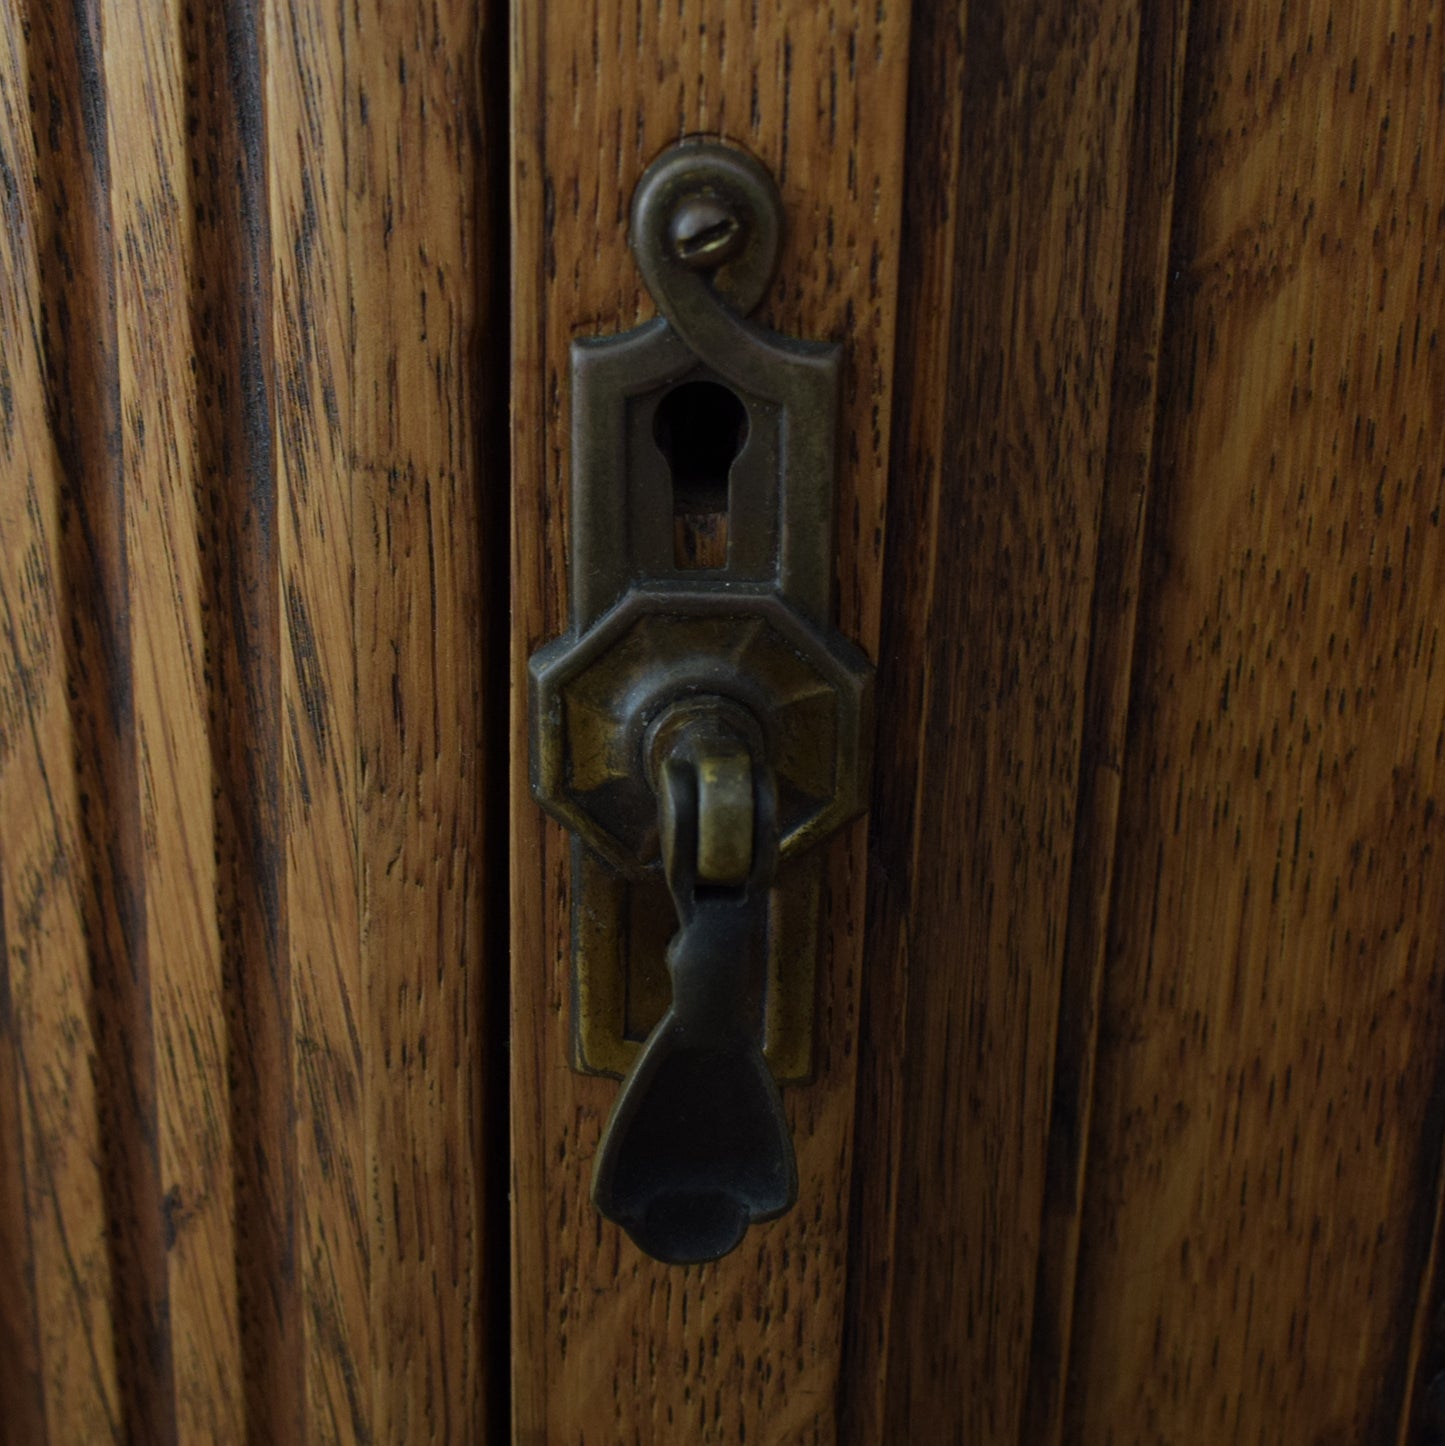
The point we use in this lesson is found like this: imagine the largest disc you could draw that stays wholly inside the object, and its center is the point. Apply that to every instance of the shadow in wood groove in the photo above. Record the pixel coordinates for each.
(78, 337)
(1422, 1412)
(237, 512)
(925, 310)
(66, 1267)
(492, 383)
(1128, 468)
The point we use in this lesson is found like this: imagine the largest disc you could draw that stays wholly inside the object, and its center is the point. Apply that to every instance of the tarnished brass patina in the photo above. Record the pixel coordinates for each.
(594, 699)
(700, 672)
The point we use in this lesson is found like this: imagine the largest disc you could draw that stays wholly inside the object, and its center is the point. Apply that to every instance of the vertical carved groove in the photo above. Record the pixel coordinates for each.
(1113, 614)
(1017, 168)
(493, 460)
(248, 1127)
(78, 337)
(237, 512)
(928, 244)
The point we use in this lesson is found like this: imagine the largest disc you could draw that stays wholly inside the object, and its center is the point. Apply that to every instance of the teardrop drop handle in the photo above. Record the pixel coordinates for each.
(698, 1148)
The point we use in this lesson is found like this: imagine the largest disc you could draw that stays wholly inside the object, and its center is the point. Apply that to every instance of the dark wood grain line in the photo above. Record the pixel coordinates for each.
(43, 1293)
(536, 607)
(925, 302)
(231, 325)
(78, 336)
(22, 1381)
(1419, 1358)
(995, 503)
(1113, 616)
(493, 460)
(1422, 1409)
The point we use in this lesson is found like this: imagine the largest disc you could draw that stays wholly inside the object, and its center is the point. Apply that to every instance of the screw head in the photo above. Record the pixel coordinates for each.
(705, 232)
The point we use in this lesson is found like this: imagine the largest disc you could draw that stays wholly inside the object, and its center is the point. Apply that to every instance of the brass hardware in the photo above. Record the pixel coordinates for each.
(700, 673)
(697, 1148)
(725, 804)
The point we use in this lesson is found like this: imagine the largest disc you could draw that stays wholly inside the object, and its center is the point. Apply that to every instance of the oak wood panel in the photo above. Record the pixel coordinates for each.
(1004, 501)
(247, 271)
(609, 1346)
(1267, 1126)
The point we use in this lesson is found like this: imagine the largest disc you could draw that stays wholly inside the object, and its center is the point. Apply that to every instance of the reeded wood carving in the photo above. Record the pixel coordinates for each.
(244, 538)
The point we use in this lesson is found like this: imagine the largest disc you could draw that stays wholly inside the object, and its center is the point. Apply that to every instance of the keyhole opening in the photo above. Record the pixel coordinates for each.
(700, 428)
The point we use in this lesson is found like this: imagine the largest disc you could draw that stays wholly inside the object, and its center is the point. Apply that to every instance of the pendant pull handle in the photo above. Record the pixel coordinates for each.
(697, 1147)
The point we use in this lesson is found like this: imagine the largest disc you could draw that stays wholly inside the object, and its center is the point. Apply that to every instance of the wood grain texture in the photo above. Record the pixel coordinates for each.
(238, 512)
(152, 197)
(929, 237)
(68, 1386)
(1266, 1138)
(246, 271)
(417, 274)
(608, 1346)
(1128, 472)
(1022, 129)
(307, 107)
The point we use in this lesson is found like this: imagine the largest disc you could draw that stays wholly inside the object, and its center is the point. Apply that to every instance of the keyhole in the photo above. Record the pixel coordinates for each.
(700, 428)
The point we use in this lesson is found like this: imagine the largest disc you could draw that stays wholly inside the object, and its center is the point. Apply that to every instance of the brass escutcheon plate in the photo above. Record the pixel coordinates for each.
(746, 618)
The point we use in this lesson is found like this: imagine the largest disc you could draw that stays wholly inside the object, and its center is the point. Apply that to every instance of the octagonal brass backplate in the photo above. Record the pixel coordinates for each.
(594, 698)
(744, 619)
